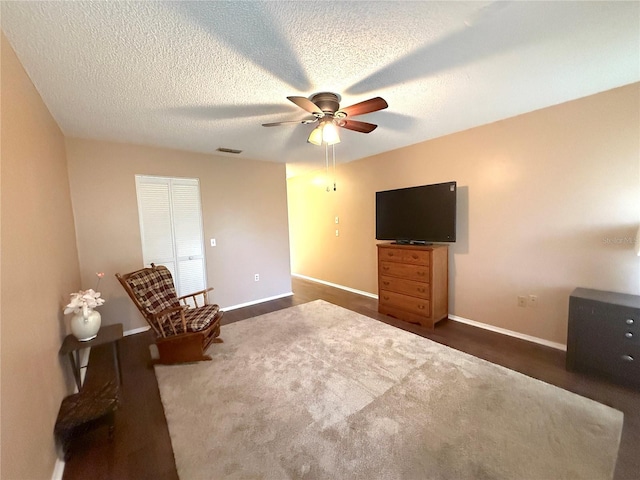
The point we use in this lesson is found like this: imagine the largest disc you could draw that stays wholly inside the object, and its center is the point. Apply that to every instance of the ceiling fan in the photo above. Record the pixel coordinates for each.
(325, 108)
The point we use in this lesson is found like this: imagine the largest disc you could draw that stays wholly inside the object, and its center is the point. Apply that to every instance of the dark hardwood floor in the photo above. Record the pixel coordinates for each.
(141, 448)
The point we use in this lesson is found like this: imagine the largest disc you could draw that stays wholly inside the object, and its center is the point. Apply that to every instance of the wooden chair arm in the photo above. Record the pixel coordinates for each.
(194, 294)
(166, 312)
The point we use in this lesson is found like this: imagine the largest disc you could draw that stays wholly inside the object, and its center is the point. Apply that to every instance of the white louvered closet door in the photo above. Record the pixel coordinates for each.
(171, 228)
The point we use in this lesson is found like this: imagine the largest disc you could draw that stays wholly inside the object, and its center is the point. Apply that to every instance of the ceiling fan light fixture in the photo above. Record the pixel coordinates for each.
(325, 108)
(330, 133)
(316, 136)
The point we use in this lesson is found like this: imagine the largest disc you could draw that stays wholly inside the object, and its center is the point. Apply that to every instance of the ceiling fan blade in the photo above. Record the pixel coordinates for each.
(356, 126)
(368, 106)
(306, 104)
(303, 122)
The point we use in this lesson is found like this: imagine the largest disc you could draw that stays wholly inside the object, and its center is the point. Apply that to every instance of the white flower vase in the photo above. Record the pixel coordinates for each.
(85, 328)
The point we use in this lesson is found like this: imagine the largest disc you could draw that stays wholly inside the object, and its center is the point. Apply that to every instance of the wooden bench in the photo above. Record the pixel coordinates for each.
(92, 407)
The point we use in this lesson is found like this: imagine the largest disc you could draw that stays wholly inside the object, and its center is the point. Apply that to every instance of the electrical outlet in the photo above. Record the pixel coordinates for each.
(337, 233)
(256, 277)
(337, 220)
(533, 301)
(522, 301)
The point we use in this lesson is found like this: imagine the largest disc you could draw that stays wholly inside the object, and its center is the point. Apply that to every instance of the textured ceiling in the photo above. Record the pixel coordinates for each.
(201, 75)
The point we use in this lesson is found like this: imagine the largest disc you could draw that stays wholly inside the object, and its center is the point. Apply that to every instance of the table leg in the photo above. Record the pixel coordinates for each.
(116, 359)
(75, 367)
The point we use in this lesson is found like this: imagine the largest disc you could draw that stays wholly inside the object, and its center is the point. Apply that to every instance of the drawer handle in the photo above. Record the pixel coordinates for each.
(385, 268)
(421, 307)
(414, 256)
(422, 290)
(422, 274)
(628, 335)
(390, 254)
(385, 297)
(627, 358)
(629, 321)
(385, 283)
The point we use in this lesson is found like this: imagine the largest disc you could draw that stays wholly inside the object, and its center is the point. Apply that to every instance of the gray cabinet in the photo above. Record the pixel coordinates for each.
(604, 335)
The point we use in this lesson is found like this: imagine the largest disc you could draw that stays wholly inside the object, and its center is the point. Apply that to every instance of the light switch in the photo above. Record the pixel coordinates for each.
(337, 220)
(213, 242)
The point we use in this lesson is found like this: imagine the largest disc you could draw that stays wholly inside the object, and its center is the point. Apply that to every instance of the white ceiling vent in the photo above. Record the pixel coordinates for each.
(229, 150)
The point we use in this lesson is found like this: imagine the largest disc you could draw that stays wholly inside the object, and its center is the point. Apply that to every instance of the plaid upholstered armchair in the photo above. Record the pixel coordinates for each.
(184, 330)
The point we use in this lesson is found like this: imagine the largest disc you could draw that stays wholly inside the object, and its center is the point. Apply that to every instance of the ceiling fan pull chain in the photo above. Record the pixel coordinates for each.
(326, 163)
(333, 149)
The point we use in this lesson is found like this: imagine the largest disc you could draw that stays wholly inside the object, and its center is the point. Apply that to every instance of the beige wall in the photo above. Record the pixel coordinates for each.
(244, 207)
(548, 201)
(39, 270)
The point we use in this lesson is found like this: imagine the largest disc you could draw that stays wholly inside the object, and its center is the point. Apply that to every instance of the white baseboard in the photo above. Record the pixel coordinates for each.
(58, 470)
(335, 285)
(455, 318)
(226, 309)
(511, 333)
(136, 330)
(255, 302)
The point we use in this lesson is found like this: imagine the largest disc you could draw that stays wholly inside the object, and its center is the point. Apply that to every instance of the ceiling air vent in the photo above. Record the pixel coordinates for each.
(229, 150)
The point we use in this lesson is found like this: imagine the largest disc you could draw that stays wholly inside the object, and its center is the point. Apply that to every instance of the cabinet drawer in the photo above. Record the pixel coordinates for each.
(399, 255)
(415, 305)
(622, 323)
(403, 270)
(609, 325)
(408, 287)
(621, 363)
(416, 257)
(390, 254)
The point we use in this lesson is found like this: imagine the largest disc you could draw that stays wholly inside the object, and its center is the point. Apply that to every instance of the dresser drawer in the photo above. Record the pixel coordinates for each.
(398, 255)
(419, 273)
(610, 326)
(622, 324)
(408, 287)
(416, 257)
(410, 304)
(390, 254)
(620, 363)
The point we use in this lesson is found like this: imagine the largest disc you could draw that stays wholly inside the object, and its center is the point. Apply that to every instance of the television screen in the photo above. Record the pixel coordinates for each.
(417, 214)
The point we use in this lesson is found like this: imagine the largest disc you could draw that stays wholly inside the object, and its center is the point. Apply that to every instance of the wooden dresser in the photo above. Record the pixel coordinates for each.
(413, 282)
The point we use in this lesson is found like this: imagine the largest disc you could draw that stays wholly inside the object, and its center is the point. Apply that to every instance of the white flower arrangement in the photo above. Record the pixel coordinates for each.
(85, 300)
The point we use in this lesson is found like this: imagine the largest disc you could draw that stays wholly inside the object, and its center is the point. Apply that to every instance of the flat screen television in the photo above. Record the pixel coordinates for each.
(417, 215)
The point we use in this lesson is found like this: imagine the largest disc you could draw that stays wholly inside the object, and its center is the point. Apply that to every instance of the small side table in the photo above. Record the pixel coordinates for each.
(90, 408)
(108, 334)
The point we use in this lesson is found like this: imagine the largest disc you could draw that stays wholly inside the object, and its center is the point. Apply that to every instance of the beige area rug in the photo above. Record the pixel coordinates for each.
(319, 392)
